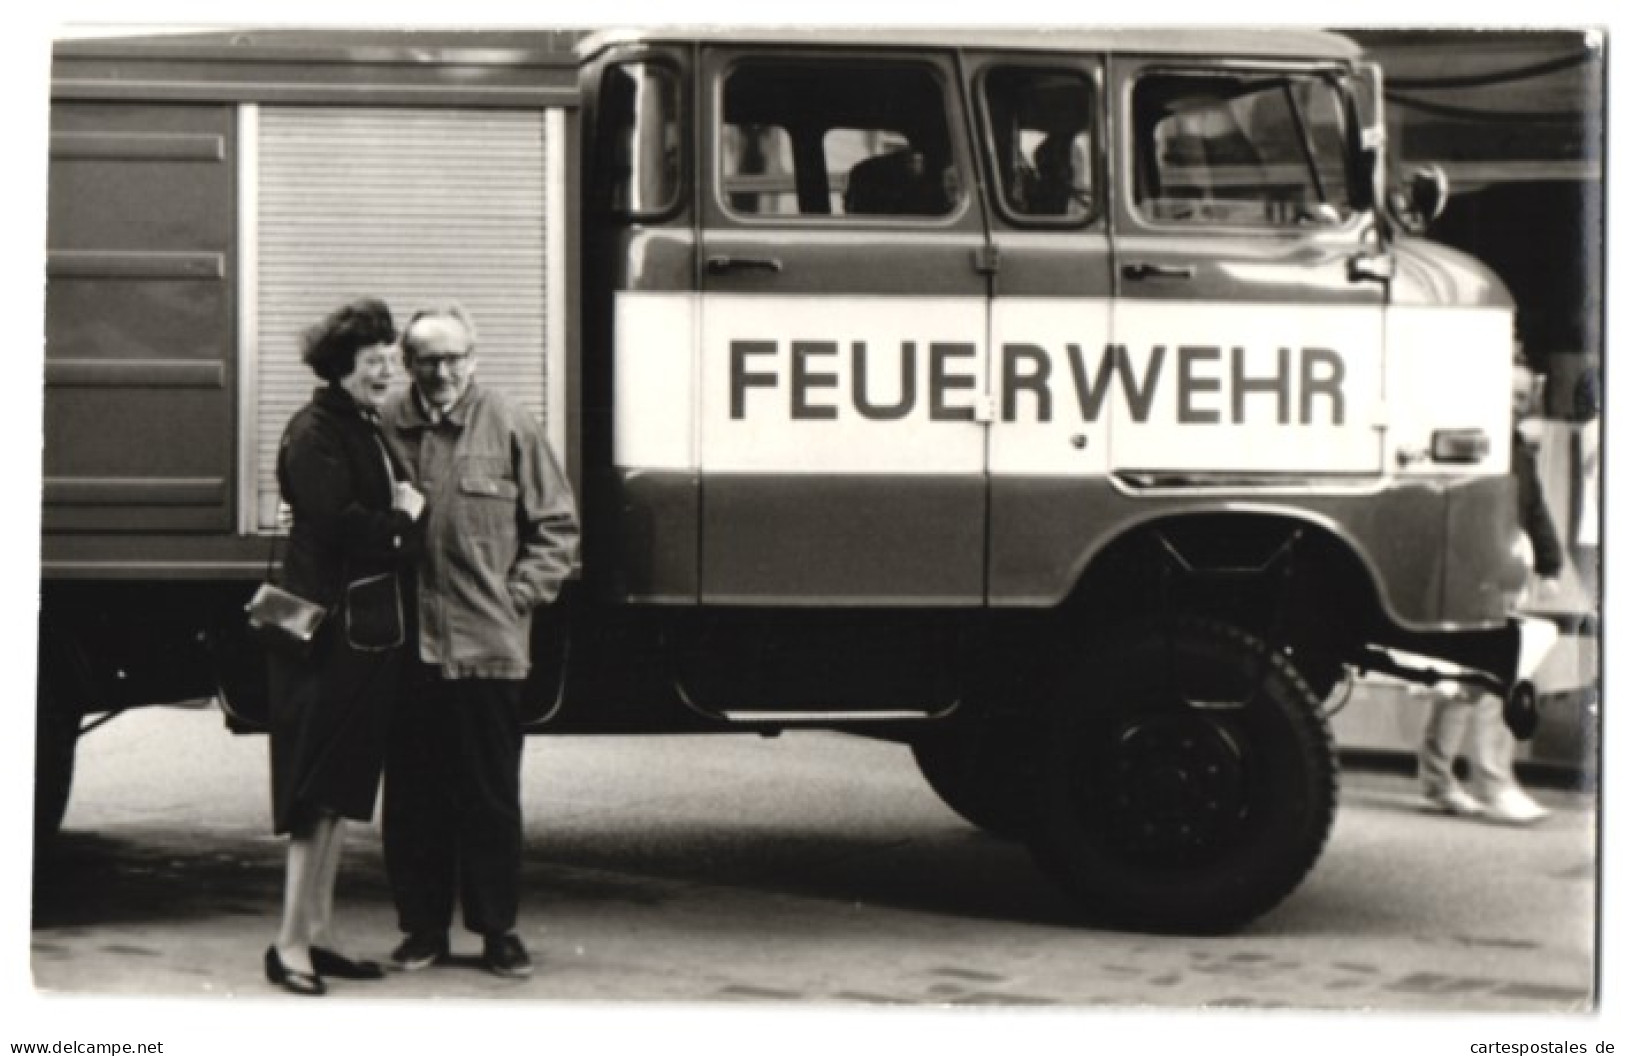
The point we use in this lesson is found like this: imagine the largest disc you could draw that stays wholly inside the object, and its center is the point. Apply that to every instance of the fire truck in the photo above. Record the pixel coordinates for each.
(1075, 407)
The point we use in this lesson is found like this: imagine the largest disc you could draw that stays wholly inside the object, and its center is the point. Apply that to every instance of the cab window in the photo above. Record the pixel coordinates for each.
(836, 139)
(1043, 137)
(1254, 149)
(640, 139)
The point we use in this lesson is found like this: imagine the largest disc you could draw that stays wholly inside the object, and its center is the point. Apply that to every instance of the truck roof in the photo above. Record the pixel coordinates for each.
(544, 48)
(1260, 42)
(360, 44)
(481, 68)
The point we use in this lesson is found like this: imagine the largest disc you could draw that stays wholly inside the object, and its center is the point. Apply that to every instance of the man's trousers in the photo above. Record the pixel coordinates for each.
(452, 825)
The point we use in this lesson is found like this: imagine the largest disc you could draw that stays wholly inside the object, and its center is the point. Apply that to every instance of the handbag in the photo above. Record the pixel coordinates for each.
(373, 618)
(284, 622)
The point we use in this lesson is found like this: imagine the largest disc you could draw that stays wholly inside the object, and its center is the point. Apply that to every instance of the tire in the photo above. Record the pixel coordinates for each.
(978, 771)
(56, 740)
(1323, 672)
(1189, 783)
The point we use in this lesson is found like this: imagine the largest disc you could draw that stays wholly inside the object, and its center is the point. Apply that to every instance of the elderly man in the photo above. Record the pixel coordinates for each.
(500, 539)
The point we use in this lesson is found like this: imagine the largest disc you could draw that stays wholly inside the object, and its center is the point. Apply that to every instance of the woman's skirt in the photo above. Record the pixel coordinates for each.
(329, 724)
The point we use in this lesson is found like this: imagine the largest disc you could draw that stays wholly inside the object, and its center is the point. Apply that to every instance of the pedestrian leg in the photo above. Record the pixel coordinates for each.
(301, 893)
(490, 828)
(1441, 738)
(1490, 750)
(327, 854)
(420, 837)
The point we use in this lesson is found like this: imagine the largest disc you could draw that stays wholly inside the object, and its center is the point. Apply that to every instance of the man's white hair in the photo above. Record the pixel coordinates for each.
(445, 310)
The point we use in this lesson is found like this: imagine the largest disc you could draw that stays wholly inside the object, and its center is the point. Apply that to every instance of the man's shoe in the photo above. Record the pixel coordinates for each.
(420, 950)
(1452, 799)
(1513, 806)
(505, 955)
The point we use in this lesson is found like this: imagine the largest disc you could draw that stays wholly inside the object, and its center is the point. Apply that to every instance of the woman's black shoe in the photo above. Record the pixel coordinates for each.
(305, 984)
(335, 964)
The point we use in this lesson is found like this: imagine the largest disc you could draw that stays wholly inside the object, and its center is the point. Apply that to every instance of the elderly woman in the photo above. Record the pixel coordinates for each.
(354, 531)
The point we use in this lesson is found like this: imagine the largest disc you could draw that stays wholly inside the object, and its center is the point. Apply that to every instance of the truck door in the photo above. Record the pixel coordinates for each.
(1250, 342)
(843, 331)
(1040, 120)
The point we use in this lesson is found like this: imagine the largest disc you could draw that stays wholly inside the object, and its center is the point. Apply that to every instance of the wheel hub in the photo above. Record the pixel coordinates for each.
(1172, 789)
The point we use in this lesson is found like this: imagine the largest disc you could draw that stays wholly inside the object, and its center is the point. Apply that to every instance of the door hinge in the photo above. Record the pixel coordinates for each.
(986, 260)
(984, 408)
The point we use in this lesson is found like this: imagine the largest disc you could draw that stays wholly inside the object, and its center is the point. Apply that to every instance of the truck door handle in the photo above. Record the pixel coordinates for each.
(719, 265)
(1139, 271)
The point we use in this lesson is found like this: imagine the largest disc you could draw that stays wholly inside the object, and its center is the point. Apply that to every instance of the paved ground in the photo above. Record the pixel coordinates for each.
(811, 870)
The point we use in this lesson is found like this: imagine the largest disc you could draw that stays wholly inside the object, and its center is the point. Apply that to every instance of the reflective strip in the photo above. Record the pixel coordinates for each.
(1041, 430)
(654, 381)
(1282, 387)
(1449, 369)
(1072, 387)
(845, 384)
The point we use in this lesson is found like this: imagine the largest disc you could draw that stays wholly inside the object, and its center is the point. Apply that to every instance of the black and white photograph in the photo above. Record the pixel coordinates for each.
(1023, 534)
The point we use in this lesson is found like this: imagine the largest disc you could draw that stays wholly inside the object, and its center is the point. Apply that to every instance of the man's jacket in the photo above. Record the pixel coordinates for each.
(501, 535)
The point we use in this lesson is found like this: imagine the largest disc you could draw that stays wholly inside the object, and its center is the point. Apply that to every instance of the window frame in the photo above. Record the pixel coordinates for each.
(939, 65)
(1335, 78)
(1092, 75)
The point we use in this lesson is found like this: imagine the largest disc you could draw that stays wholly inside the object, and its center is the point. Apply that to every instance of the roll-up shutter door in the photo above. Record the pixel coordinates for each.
(412, 206)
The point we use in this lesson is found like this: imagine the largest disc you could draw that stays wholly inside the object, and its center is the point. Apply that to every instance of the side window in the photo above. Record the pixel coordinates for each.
(834, 139)
(1043, 136)
(640, 138)
(1256, 149)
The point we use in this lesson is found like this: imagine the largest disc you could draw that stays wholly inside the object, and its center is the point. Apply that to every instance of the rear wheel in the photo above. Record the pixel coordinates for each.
(56, 740)
(1188, 783)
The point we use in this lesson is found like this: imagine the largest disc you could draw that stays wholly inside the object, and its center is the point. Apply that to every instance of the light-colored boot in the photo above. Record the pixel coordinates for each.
(1446, 722)
(1514, 806)
(1452, 799)
(1490, 747)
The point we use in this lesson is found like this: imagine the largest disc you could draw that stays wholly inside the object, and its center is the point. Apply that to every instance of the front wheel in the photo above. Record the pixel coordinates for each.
(977, 768)
(1188, 781)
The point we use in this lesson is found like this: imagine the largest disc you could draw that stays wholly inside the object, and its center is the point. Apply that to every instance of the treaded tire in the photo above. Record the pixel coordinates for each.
(56, 740)
(977, 769)
(1187, 783)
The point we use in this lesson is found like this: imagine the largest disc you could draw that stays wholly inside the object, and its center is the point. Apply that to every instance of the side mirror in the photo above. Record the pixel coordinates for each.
(1421, 199)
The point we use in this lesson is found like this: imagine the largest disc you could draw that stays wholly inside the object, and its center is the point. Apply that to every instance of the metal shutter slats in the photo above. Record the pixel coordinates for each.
(410, 206)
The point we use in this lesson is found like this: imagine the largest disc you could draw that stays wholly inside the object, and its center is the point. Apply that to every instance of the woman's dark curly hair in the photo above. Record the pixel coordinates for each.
(330, 346)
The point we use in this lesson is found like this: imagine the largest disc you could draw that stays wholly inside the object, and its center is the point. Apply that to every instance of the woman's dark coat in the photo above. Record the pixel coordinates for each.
(329, 715)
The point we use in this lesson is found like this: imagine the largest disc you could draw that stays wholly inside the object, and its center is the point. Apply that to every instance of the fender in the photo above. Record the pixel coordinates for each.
(1047, 536)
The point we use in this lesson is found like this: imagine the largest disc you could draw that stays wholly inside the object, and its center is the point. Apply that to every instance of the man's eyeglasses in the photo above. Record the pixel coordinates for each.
(435, 362)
